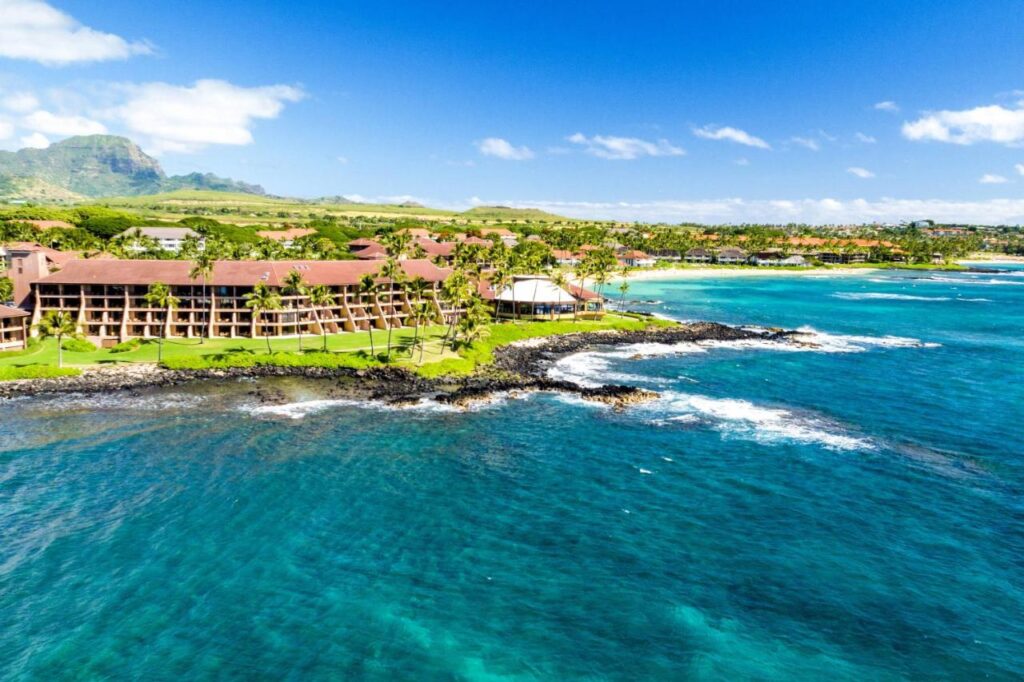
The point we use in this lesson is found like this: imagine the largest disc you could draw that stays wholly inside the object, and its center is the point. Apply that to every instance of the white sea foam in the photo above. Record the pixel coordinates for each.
(871, 296)
(742, 419)
(303, 408)
(594, 368)
(852, 343)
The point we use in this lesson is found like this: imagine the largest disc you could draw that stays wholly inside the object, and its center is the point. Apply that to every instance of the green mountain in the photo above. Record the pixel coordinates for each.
(97, 166)
(506, 213)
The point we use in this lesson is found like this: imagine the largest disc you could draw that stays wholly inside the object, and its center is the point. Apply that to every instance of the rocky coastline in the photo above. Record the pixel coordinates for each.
(519, 367)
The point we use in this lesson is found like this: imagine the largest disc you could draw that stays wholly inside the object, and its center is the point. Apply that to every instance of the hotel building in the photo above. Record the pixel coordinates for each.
(107, 298)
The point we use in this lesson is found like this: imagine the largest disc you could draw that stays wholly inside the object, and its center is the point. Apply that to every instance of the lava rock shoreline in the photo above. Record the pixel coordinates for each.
(518, 367)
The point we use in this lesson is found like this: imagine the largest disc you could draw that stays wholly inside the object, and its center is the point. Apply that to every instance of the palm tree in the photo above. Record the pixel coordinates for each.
(57, 324)
(391, 271)
(455, 291)
(260, 300)
(159, 296)
(295, 285)
(368, 287)
(416, 288)
(202, 268)
(473, 322)
(582, 271)
(500, 280)
(559, 280)
(320, 296)
(623, 288)
(421, 313)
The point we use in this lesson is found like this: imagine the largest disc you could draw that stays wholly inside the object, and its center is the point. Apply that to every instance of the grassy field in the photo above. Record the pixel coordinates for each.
(246, 209)
(350, 350)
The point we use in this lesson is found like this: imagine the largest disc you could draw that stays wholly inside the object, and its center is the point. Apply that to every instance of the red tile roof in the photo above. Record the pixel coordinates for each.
(53, 255)
(232, 273)
(7, 312)
(433, 249)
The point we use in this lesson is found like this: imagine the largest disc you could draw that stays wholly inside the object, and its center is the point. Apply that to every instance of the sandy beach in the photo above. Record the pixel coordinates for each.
(705, 273)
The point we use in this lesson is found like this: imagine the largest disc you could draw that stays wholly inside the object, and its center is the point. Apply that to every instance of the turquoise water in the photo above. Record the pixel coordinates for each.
(851, 512)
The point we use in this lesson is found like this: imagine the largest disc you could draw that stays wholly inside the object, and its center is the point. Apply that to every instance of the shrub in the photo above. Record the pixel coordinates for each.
(126, 346)
(36, 372)
(78, 345)
(279, 359)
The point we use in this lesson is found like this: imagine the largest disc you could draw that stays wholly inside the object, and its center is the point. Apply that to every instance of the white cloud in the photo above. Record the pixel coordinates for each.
(185, 119)
(866, 139)
(20, 102)
(862, 173)
(1020, 168)
(732, 134)
(35, 141)
(992, 179)
(806, 142)
(6, 129)
(503, 149)
(623, 148)
(982, 124)
(34, 30)
(887, 105)
(826, 211)
(62, 126)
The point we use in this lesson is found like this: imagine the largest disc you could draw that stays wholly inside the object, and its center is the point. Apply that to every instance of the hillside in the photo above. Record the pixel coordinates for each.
(506, 213)
(96, 166)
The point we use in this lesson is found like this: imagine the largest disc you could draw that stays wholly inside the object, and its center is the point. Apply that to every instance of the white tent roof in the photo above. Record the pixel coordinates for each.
(534, 290)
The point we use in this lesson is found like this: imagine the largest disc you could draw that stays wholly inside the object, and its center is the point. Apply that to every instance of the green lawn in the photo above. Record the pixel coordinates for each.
(46, 352)
(344, 349)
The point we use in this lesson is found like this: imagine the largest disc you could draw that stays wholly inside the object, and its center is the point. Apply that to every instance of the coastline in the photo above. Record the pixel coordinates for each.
(709, 273)
(519, 366)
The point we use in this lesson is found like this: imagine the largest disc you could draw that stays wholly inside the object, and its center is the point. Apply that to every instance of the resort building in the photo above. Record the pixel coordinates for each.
(108, 298)
(731, 255)
(13, 328)
(536, 297)
(167, 238)
(636, 259)
(699, 255)
(25, 262)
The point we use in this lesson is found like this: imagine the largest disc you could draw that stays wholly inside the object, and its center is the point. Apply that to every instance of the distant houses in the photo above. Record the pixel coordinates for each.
(167, 238)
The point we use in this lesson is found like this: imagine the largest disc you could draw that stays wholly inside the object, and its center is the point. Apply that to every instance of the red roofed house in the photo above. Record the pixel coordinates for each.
(13, 328)
(636, 259)
(107, 298)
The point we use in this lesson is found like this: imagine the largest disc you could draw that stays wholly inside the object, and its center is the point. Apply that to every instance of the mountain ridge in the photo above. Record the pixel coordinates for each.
(90, 166)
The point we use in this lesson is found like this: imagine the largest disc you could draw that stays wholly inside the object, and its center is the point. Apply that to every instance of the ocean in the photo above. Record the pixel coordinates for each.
(848, 511)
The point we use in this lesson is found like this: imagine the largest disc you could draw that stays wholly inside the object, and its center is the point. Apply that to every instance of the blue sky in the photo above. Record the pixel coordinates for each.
(713, 111)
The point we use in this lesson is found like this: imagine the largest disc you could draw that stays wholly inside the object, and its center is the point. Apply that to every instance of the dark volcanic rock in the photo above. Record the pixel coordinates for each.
(517, 368)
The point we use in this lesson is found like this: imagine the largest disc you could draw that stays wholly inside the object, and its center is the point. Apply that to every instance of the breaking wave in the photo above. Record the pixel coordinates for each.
(887, 297)
(736, 418)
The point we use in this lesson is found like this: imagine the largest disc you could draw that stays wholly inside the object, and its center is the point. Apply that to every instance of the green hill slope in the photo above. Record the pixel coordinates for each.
(96, 166)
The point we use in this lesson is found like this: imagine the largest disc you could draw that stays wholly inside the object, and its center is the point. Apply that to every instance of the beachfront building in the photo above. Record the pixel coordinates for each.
(536, 297)
(13, 328)
(167, 238)
(636, 259)
(108, 298)
(699, 255)
(731, 255)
